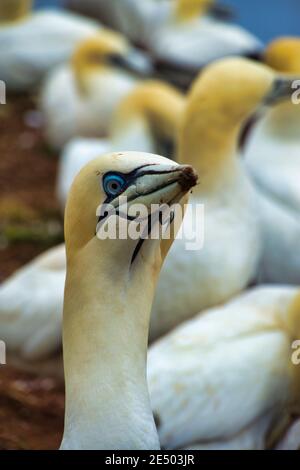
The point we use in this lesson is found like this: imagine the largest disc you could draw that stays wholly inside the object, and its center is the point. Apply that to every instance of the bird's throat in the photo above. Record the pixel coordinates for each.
(106, 321)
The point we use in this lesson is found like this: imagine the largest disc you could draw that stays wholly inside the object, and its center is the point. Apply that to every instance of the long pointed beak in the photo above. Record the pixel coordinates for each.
(158, 184)
(283, 88)
(137, 62)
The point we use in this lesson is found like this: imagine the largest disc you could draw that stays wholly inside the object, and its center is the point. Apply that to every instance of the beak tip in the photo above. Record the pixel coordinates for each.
(188, 178)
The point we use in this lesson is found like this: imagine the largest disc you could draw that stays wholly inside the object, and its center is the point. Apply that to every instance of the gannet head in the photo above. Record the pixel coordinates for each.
(107, 49)
(158, 103)
(283, 55)
(231, 90)
(188, 9)
(110, 189)
(12, 10)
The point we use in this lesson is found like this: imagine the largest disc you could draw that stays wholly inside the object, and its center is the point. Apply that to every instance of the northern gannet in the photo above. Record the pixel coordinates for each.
(182, 35)
(219, 103)
(79, 98)
(273, 152)
(189, 39)
(109, 289)
(272, 158)
(32, 43)
(226, 379)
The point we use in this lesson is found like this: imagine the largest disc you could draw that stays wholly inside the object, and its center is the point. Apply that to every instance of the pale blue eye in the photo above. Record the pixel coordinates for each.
(113, 184)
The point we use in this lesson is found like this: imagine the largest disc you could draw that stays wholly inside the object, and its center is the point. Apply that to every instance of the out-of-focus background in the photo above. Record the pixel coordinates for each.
(275, 18)
(31, 219)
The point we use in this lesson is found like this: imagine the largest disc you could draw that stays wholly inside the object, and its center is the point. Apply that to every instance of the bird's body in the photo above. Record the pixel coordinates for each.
(68, 114)
(281, 231)
(272, 159)
(179, 33)
(37, 43)
(199, 42)
(126, 16)
(225, 380)
(272, 155)
(79, 99)
(31, 305)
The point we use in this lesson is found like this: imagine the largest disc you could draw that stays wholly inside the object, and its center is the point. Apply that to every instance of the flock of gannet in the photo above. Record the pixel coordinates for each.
(220, 319)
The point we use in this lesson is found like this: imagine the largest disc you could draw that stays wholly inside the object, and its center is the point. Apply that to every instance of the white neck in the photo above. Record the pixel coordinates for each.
(106, 319)
(283, 121)
(134, 134)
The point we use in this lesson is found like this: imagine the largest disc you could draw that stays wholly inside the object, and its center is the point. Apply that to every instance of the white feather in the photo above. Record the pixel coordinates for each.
(223, 379)
(272, 158)
(31, 306)
(191, 281)
(152, 23)
(32, 47)
(69, 114)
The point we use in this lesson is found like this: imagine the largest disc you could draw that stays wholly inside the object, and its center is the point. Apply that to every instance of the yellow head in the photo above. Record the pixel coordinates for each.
(221, 100)
(97, 51)
(231, 90)
(140, 177)
(159, 104)
(283, 55)
(106, 50)
(189, 9)
(12, 10)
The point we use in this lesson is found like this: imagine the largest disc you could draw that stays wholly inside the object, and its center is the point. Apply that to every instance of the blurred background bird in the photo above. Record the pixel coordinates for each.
(225, 380)
(273, 152)
(183, 79)
(181, 35)
(32, 43)
(272, 159)
(78, 99)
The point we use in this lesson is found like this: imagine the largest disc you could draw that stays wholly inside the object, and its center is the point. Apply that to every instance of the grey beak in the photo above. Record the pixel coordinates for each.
(135, 61)
(283, 88)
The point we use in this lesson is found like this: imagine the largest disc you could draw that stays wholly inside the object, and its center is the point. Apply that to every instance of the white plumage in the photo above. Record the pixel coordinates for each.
(183, 42)
(79, 98)
(67, 113)
(225, 379)
(272, 155)
(281, 231)
(193, 44)
(30, 48)
(272, 159)
(31, 304)
(191, 281)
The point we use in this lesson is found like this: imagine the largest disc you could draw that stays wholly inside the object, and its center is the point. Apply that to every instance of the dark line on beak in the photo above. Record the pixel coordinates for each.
(141, 242)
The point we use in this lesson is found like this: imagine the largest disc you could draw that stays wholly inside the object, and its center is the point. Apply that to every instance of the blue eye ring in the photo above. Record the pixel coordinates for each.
(113, 184)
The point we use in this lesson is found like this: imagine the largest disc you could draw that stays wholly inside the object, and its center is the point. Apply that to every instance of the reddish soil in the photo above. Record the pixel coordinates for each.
(31, 408)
